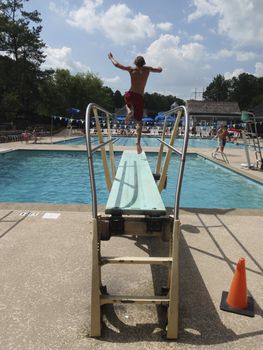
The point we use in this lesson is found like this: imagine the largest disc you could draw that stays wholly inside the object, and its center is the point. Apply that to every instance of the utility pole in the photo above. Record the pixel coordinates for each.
(197, 93)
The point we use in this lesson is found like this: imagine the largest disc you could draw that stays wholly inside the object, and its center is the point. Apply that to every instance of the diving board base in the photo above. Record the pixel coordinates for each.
(136, 227)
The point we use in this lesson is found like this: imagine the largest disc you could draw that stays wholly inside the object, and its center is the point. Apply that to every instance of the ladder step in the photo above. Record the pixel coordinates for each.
(136, 260)
(124, 299)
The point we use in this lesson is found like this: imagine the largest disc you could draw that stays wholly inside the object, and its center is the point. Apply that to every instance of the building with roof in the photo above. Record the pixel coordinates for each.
(212, 112)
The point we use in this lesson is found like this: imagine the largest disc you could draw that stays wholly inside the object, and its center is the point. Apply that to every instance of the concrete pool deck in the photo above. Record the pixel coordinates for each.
(45, 257)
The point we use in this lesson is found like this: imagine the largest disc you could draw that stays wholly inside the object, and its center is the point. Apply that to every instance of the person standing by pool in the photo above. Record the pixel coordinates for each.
(25, 136)
(134, 97)
(221, 134)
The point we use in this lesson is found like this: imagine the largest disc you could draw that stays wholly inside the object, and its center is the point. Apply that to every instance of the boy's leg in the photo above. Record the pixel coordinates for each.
(222, 146)
(218, 145)
(139, 134)
(128, 115)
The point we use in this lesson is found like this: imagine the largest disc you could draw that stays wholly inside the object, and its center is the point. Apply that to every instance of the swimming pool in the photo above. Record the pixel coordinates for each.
(153, 142)
(62, 177)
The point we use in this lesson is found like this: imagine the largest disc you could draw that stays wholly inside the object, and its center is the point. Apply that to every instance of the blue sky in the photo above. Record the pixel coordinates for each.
(192, 40)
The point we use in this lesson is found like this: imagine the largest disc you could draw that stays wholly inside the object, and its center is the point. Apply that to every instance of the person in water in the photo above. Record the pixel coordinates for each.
(134, 97)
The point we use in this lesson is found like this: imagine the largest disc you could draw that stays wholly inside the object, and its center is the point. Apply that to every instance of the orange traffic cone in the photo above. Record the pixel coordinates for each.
(237, 300)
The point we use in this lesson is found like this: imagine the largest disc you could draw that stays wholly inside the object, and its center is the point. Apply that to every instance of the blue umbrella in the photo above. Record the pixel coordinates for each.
(146, 119)
(72, 110)
(159, 118)
(162, 117)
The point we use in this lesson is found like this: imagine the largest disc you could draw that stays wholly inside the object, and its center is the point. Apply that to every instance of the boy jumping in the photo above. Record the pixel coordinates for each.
(134, 97)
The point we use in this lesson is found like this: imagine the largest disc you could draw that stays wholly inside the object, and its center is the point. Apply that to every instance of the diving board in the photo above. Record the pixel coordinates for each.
(134, 191)
(135, 209)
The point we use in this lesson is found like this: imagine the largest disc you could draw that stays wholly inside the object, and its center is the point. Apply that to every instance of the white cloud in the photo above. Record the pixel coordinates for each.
(112, 80)
(197, 37)
(166, 26)
(203, 7)
(118, 23)
(259, 69)
(245, 56)
(184, 66)
(224, 53)
(240, 20)
(85, 17)
(61, 58)
(241, 56)
(121, 26)
(235, 73)
(61, 9)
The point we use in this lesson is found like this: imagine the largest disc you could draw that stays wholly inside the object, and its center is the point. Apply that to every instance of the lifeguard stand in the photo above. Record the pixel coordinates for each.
(251, 132)
(135, 208)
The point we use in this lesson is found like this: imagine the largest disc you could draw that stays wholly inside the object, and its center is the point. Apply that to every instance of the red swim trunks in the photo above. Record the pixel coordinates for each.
(132, 99)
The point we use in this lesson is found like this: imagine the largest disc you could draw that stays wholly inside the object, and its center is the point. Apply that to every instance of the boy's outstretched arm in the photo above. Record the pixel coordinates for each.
(156, 70)
(117, 64)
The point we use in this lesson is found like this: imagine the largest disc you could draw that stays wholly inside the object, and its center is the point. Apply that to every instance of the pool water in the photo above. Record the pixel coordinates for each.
(62, 177)
(153, 142)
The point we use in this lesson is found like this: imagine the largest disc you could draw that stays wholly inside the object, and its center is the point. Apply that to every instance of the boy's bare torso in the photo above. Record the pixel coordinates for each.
(222, 134)
(139, 78)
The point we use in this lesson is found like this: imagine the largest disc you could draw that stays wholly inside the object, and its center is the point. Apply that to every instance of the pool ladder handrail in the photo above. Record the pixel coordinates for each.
(93, 107)
(181, 111)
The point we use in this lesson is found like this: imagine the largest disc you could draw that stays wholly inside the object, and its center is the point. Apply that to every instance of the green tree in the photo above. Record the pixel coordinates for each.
(218, 90)
(9, 98)
(48, 95)
(61, 90)
(259, 93)
(244, 88)
(20, 41)
(118, 99)
(83, 89)
(19, 38)
(155, 102)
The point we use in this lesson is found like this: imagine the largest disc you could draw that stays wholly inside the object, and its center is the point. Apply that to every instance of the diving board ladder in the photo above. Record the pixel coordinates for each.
(134, 209)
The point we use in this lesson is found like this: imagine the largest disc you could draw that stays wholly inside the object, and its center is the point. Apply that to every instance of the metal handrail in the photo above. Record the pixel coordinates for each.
(90, 152)
(171, 147)
(182, 155)
(104, 144)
